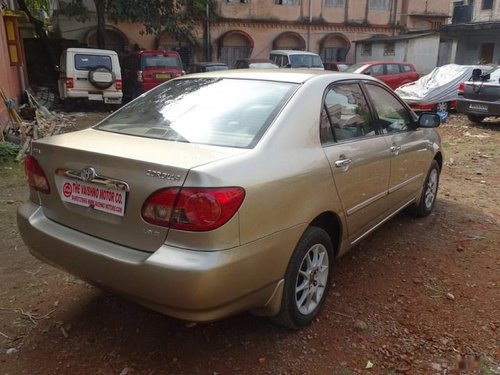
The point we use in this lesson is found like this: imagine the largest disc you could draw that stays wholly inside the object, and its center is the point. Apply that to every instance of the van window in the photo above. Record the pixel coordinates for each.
(89, 62)
(160, 61)
(305, 61)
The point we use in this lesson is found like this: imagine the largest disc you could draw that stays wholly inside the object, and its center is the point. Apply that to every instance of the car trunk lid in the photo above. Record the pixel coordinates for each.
(484, 91)
(99, 181)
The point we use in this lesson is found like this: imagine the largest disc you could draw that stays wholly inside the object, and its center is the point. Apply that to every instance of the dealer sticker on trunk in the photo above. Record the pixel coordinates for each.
(100, 198)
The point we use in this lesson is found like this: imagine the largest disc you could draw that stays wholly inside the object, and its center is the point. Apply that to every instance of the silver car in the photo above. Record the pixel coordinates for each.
(222, 192)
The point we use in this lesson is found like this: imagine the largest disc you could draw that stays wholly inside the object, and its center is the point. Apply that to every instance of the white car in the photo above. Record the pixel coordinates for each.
(87, 74)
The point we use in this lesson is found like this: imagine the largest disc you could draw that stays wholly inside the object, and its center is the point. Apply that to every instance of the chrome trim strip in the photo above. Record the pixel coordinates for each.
(99, 180)
(366, 203)
(383, 221)
(403, 184)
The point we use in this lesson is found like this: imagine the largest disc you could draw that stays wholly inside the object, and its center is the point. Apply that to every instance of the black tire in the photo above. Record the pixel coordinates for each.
(429, 192)
(313, 275)
(101, 84)
(475, 118)
(69, 105)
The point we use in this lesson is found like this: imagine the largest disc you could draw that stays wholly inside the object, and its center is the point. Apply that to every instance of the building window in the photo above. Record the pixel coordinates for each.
(378, 4)
(389, 49)
(287, 2)
(237, 1)
(335, 3)
(366, 49)
(487, 4)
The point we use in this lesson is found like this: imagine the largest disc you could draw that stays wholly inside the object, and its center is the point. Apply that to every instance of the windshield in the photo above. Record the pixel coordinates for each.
(160, 61)
(354, 68)
(305, 61)
(214, 111)
(90, 62)
(495, 75)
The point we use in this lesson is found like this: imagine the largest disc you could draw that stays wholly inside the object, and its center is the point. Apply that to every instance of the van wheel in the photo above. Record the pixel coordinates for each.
(307, 279)
(101, 77)
(69, 105)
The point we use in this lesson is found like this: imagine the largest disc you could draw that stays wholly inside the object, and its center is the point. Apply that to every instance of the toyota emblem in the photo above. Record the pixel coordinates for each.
(88, 174)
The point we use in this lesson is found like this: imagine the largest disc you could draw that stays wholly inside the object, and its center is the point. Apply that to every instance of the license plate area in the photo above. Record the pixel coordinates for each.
(98, 197)
(162, 76)
(478, 107)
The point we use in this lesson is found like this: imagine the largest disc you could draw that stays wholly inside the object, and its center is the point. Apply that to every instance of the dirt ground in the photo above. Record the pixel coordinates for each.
(419, 296)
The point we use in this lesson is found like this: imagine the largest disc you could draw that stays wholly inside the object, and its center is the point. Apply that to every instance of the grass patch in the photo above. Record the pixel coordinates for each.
(12, 174)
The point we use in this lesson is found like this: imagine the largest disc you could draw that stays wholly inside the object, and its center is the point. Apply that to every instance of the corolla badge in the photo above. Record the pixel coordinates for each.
(88, 174)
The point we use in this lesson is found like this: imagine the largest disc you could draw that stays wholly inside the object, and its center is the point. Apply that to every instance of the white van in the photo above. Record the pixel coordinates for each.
(87, 74)
(296, 59)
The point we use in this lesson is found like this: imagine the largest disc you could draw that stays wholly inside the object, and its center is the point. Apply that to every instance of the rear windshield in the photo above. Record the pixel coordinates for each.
(213, 111)
(90, 62)
(305, 61)
(160, 61)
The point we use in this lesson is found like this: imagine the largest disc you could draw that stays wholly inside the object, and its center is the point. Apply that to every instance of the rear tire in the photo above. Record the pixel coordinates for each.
(475, 118)
(442, 107)
(307, 279)
(429, 192)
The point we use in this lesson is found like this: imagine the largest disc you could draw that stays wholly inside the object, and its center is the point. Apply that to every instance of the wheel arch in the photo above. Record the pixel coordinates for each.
(331, 223)
(439, 158)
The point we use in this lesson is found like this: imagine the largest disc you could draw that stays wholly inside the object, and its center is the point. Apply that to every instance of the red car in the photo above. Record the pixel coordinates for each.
(143, 70)
(392, 73)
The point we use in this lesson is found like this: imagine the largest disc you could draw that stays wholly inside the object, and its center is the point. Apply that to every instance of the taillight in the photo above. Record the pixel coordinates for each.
(69, 82)
(461, 88)
(36, 176)
(118, 84)
(139, 76)
(193, 209)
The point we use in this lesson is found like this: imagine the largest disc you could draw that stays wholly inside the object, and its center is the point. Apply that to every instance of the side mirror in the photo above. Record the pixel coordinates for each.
(429, 120)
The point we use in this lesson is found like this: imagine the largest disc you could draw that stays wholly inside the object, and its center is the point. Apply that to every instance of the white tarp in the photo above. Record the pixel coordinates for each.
(440, 85)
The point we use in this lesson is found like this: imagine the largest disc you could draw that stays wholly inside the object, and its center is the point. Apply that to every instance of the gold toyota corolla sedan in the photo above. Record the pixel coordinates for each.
(229, 191)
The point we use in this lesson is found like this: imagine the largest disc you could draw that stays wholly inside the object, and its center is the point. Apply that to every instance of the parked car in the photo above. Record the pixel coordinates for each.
(438, 90)
(392, 73)
(335, 66)
(479, 97)
(255, 64)
(207, 67)
(146, 69)
(296, 59)
(87, 74)
(228, 191)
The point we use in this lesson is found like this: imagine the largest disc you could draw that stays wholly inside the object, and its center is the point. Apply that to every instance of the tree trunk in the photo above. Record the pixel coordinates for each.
(42, 34)
(100, 6)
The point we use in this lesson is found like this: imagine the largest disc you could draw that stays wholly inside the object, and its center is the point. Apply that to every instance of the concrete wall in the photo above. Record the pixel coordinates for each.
(423, 53)
(469, 46)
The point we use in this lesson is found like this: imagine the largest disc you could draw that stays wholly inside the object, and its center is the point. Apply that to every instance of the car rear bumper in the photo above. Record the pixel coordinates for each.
(111, 97)
(190, 285)
(479, 108)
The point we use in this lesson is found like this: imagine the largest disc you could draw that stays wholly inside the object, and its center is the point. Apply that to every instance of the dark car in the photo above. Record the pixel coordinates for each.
(392, 73)
(335, 66)
(143, 70)
(479, 97)
(254, 64)
(207, 67)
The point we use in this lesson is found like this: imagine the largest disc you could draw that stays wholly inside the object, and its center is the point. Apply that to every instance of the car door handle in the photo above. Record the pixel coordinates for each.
(343, 162)
(395, 148)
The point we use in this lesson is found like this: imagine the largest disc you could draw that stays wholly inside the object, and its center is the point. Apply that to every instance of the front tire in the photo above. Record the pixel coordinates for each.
(429, 192)
(307, 279)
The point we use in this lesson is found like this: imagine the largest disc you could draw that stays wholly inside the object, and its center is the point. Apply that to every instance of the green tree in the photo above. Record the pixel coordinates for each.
(176, 17)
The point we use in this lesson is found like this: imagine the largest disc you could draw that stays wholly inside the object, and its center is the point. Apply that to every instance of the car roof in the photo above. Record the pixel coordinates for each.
(93, 51)
(208, 63)
(292, 52)
(383, 62)
(278, 75)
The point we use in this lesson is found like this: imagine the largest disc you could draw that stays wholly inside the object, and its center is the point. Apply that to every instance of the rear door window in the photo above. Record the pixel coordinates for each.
(392, 69)
(90, 62)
